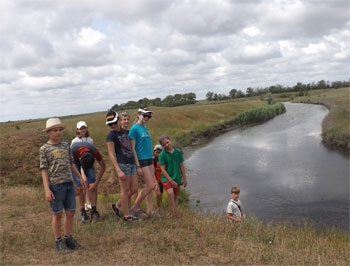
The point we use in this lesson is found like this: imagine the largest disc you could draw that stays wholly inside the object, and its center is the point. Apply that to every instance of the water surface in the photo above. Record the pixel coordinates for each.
(283, 169)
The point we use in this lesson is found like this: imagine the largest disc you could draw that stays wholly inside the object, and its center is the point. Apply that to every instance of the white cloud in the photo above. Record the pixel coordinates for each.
(314, 48)
(89, 37)
(107, 52)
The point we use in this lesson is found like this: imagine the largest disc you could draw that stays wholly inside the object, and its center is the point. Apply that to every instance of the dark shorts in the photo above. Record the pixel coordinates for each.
(167, 186)
(64, 197)
(146, 162)
(161, 188)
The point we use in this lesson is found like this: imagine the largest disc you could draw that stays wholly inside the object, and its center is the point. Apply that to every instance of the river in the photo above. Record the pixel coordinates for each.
(284, 171)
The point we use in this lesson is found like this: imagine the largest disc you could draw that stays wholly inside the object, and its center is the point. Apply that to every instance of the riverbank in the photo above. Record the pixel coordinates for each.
(335, 127)
(184, 238)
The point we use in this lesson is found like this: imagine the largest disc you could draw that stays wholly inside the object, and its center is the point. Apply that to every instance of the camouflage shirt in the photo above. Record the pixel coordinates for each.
(57, 159)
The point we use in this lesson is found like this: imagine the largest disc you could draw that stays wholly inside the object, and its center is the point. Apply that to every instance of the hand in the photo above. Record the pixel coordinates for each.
(184, 182)
(49, 196)
(139, 171)
(121, 175)
(93, 187)
(156, 187)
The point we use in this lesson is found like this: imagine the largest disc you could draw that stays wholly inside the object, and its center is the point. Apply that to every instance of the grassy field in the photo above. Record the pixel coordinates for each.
(184, 238)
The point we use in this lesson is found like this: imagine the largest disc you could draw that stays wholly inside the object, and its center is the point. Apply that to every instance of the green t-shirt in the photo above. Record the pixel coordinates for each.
(172, 163)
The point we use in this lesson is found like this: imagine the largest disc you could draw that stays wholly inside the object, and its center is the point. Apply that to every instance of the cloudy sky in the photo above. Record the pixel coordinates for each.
(80, 56)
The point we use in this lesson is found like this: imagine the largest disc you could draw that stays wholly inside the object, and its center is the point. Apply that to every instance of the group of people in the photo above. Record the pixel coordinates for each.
(68, 171)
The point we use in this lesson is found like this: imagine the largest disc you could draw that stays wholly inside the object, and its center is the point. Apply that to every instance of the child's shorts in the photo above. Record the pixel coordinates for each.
(64, 197)
(89, 173)
(167, 185)
(128, 169)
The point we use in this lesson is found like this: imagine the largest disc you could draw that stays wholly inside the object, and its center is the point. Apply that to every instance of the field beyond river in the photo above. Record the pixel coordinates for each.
(183, 238)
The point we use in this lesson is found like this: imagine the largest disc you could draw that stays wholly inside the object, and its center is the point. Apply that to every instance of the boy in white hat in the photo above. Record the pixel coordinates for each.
(56, 165)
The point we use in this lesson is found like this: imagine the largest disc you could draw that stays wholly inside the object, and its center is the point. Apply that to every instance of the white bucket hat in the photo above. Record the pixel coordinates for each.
(53, 123)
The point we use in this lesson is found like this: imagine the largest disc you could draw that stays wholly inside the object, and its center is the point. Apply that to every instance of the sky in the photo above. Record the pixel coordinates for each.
(80, 56)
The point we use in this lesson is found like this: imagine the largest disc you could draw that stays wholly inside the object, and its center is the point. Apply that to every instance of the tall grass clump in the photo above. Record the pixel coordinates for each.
(260, 114)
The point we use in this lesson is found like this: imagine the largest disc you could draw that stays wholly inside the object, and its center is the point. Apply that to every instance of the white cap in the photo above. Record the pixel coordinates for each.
(158, 147)
(81, 124)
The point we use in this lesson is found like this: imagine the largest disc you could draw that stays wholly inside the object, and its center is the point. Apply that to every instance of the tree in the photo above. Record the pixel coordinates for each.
(232, 93)
(209, 96)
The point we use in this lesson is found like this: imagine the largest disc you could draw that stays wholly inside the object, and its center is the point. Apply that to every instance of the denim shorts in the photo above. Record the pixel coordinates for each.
(64, 197)
(89, 173)
(128, 169)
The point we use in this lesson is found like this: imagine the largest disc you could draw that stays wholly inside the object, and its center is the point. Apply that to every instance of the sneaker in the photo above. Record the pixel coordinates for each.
(154, 214)
(131, 219)
(95, 215)
(87, 206)
(139, 213)
(72, 243)
(116, 210)
(84, 217)
(62, 247)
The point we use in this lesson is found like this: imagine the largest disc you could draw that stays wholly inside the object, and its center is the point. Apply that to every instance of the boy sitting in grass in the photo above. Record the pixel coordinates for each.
(234, 212)
(173, 170)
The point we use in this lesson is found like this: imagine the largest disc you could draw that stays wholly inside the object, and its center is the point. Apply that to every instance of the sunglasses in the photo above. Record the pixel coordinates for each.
(146, 115)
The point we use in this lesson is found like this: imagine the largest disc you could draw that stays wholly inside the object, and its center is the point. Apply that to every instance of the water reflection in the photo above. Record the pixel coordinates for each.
(284, 171)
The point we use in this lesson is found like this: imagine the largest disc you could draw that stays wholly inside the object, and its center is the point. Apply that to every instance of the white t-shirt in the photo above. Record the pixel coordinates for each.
(232, 207)
(77, 139)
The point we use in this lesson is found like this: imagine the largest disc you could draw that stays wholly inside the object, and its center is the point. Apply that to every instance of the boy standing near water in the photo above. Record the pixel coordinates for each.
(173, 170)
(234, 212)
(56, 165)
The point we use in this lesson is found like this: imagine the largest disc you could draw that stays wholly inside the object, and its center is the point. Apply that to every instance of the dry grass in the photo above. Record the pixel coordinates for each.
(185, 238)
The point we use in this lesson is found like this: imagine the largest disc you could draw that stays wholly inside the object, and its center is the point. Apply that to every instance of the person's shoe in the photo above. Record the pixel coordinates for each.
(130, 219)
(95, 216)
(87, 206)
(62, 247)
(139, 213)
(72, 243)
(84, 217)
(154, 214)
(116, 210)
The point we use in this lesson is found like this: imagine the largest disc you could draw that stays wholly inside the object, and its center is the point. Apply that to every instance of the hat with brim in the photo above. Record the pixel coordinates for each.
(158, 147)
(111, 117)
(81, 124)
(53, 123)
(144, 110)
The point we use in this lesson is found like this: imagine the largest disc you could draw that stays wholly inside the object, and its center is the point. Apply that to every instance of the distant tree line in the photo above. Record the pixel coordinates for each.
(168, 101)
(300, 88)
(190, 98)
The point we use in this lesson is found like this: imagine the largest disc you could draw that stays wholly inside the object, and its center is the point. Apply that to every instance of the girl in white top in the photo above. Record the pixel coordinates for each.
(82, 135)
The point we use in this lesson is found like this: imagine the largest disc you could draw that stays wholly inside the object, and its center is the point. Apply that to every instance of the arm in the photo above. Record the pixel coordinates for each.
(183, 174)
(113, 158)
(136, 159)
(49, 196)
(100, 174)
(232, 218)
(168, 177)
(83, 181)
